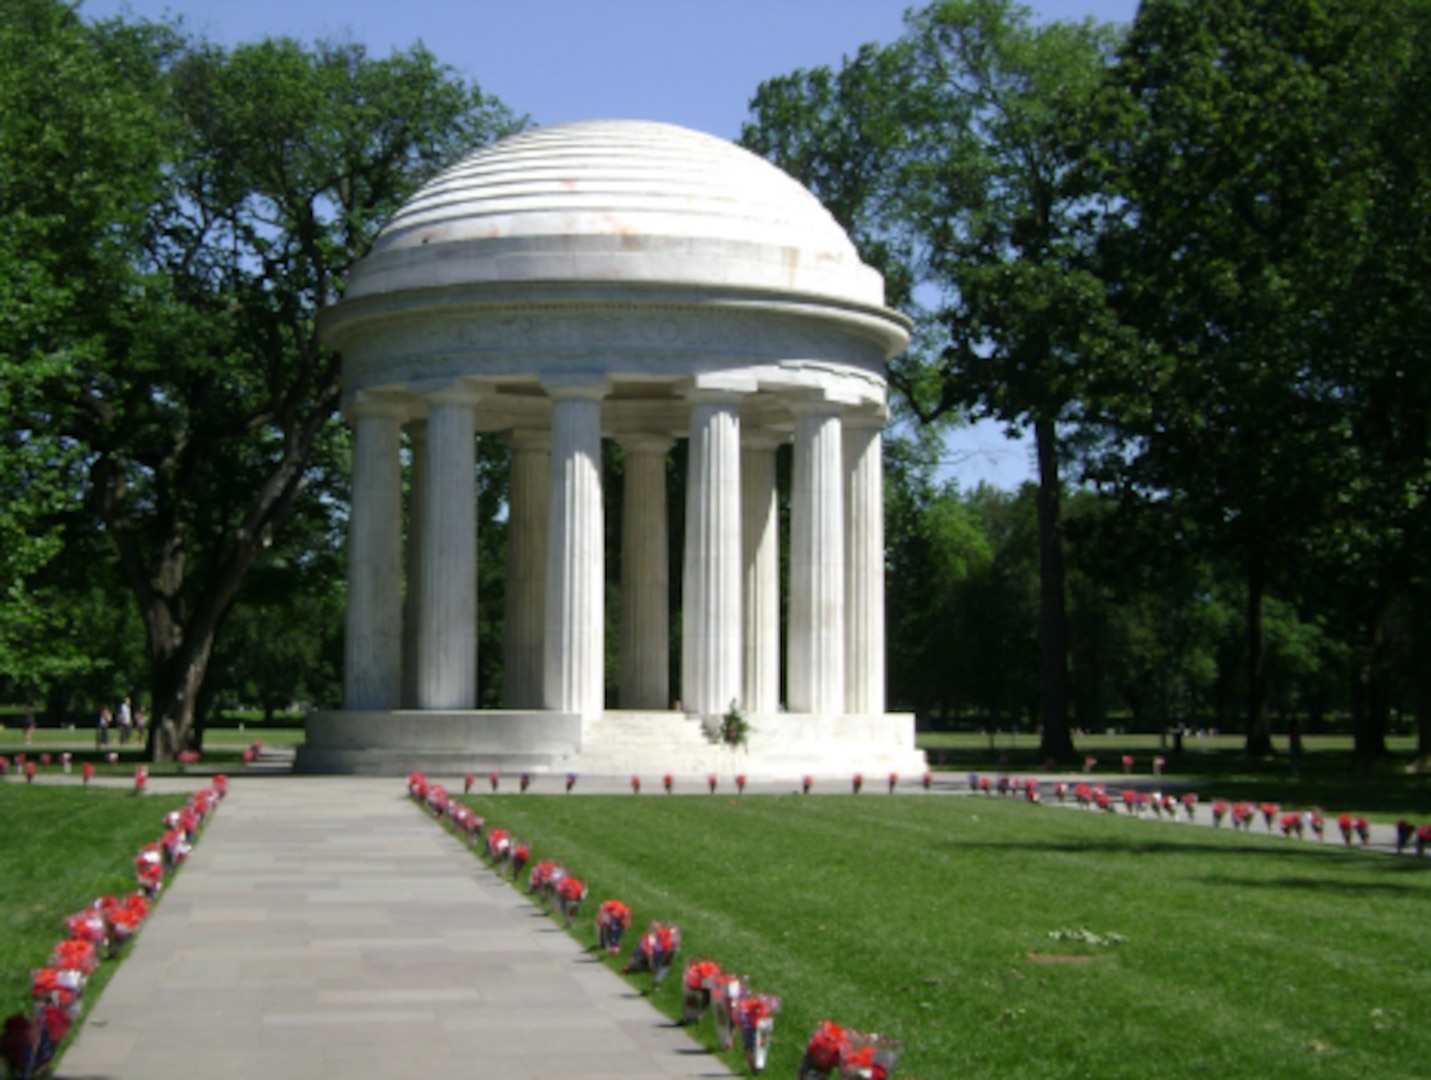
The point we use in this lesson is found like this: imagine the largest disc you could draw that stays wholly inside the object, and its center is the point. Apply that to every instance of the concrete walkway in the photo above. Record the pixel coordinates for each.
(326, 927)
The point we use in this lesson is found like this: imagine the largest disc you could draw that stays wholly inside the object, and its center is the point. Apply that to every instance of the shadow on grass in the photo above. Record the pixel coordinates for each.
(1351, 888)
(1298, 850)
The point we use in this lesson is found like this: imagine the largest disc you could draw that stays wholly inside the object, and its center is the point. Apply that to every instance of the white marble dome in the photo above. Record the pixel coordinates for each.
(617, 201)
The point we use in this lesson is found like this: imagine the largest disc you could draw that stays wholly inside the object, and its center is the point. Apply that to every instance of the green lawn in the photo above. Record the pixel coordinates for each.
(931, 919)
(63, 847)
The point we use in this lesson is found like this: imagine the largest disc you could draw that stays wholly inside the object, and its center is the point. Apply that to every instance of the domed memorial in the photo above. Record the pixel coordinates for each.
(643, 283)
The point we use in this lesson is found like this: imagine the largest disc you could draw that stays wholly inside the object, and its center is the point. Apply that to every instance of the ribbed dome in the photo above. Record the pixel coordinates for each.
(617, 201)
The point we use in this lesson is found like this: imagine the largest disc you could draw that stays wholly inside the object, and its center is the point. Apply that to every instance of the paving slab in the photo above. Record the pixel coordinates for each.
(324, 926)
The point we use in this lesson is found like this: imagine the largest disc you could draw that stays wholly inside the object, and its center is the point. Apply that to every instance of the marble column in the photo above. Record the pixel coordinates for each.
(372, 662)
(528, 505)
(411, 619)
(645, 576)
(817, 562)
(760, 553)
(574, 675)
(711, 630)
(864, 562)
(447, 589)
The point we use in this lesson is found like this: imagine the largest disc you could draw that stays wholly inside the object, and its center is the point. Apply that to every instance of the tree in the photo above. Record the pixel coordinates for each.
(952, 153)
(205, 408)
(79, 153)
(1239, 195)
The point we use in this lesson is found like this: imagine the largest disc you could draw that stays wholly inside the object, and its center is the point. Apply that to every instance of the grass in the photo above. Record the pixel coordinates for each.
(63, 848)
(223, 748)
(929, 919)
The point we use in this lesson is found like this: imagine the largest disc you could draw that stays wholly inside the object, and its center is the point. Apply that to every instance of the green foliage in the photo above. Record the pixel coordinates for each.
(64, 848)
(860, 911)
(231, 191)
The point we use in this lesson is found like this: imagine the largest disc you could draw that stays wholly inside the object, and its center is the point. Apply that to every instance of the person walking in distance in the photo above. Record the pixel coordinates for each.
(126, 721)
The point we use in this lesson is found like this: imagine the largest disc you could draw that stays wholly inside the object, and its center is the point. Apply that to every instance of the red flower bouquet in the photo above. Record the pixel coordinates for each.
(755, 1016)
(655, 951)
(1404, 832)
(570, 892)
(612, 919)
(698, 983)
(1363, 830)
(824, 1050)
(726, 991)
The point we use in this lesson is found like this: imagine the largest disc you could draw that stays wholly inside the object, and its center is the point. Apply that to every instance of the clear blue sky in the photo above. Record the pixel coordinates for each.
(689, 62)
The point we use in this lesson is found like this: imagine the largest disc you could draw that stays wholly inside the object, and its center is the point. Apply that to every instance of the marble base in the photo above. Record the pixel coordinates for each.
(781, 745)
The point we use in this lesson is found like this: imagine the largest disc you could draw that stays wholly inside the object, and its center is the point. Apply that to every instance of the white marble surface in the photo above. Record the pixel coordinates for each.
(529, 504)
(447, 600)
(372, 661)
(760, 602)
(616, 200)
(864, 565)
(817, 563)
(576, 603)
(711, 635)
(645, 576)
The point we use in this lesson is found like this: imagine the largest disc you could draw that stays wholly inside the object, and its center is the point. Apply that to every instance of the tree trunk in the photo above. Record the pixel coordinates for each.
(1421, 671)
(1259, 725)
(1057, 741)
(1369, 704)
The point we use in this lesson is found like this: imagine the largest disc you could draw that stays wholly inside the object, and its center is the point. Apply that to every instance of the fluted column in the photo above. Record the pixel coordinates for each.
(528, 505)
(645, 576)
(817, 563)
(573, 675)
(711, 630)
(864, 561)
(411, 619)
(447, 598)
(760, 552)
(372, 661)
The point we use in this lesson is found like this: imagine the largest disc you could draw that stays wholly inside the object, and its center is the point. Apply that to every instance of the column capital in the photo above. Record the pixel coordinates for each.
(720, 388)
(367, 405)
(452, 394)
(867, 417)
(759, 439)
(579, 385)
(528, 438)
(815, 405)
(645, 443)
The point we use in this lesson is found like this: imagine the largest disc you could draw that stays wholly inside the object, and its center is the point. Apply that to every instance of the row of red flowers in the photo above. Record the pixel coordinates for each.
(668, 782)
(737, 1009)
(100, 931)
(1242, 814)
